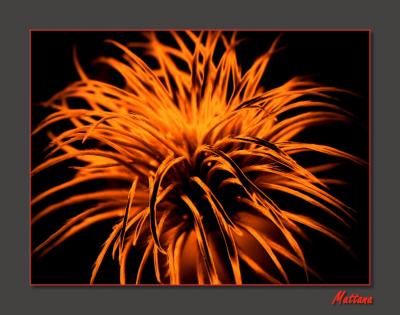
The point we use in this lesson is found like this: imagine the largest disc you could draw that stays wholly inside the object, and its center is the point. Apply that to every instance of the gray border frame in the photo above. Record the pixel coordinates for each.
(16, 295)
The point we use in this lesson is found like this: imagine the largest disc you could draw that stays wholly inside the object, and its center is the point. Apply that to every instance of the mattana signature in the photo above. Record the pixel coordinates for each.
(343, 298)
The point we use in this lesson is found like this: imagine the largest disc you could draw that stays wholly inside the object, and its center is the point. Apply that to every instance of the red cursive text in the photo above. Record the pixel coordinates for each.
(343, 298)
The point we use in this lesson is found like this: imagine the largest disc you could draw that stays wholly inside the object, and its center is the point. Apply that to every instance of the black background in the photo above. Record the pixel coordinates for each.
(333, 58)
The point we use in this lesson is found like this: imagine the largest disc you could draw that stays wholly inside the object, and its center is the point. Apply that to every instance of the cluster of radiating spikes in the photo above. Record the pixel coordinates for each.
(197, 144)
